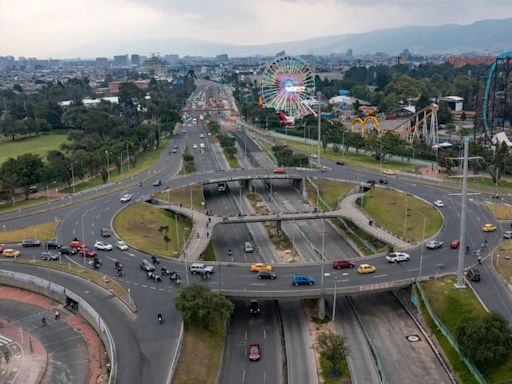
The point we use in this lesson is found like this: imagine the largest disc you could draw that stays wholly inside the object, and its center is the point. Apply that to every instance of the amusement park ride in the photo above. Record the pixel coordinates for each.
(288, 87)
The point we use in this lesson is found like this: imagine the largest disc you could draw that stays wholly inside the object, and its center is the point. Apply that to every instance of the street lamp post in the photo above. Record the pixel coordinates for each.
(319, 128)
(334, 302)
(322, 257)
(185, 255)
(422, 245)
(73, 177)
(405, 218)
(83, 234)
(108, 166)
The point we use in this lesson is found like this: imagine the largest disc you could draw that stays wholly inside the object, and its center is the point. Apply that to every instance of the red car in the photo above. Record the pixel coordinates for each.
(455, 244)
(279, 170)
(77, 245)
(85, 252)
(339, 263)
(254, 352)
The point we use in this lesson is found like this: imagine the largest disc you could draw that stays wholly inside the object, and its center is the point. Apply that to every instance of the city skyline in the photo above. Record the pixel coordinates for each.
(63, 29)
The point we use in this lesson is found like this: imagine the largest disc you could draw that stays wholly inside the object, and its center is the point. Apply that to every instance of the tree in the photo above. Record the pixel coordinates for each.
(29, 169)
(486, 340)
(332, 348)
(422, 102)
(9, 176)
(444, 114)
(199, 305)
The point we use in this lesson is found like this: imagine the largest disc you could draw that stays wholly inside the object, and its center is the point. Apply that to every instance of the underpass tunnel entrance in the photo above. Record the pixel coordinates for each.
(71, 304)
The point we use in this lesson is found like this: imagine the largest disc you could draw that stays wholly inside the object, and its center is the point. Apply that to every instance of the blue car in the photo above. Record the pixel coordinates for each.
(302, 280)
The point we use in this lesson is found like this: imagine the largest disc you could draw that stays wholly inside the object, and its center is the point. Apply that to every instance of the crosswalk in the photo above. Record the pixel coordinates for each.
(4, 340)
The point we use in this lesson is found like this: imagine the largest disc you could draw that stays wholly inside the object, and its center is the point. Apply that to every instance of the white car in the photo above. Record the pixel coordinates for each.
(126, 198)
(434, 244)
(195, 146)
(439, 203)
(507, 234)
(396, 257)
(103, 246)
(121, 245)
(201, 136)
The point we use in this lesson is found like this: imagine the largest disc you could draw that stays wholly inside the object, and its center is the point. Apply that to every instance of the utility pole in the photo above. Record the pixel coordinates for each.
(462, 236)
(319, 127)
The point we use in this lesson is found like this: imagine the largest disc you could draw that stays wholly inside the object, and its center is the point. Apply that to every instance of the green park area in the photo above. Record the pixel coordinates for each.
(330, 191)
(453, 307)
(500, 211)
(402, 214)
(152, 230)
(185, 195)
(37, 145)
(43, 231)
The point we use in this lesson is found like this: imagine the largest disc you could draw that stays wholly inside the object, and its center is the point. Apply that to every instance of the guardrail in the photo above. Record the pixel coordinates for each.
(59, 294)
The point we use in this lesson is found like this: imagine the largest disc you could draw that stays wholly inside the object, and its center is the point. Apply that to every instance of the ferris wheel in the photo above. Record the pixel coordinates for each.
(286, 84)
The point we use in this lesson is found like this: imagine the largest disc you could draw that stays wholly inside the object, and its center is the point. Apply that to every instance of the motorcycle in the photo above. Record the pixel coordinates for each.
(160, 318)
(173, 275)
(165, 272)
(178, 281)
(120, 272)
(155, 260)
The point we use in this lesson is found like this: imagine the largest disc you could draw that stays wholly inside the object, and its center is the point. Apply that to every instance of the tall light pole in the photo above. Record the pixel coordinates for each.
(405, 218)
(128, 157)
(73, 177)
(462, 236)
(108, 166)
(83, 234)
(185, 255)
(334, 302)
(322, 257)
(422, 245)
(319, 127)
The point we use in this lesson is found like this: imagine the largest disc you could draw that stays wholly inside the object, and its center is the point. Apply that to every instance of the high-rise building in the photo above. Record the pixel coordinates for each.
(155, 66)
(135, 59)
(121, 60)
(349, 54)
(222, 58)
(172, 59)
(101, 62)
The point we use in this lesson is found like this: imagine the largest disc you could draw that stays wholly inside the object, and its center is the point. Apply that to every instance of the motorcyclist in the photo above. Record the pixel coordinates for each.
(160, 318)
(229, 251)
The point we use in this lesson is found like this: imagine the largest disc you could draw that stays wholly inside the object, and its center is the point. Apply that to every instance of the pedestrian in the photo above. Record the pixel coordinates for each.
(43, 321)
(57, 314)
(207, 235)
(209, 219)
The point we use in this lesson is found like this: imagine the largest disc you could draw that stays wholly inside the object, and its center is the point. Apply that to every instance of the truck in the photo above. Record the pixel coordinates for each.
(200, 268)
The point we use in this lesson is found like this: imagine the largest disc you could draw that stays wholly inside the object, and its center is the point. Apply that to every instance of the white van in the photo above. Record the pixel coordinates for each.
(201, 145)
(248, 247)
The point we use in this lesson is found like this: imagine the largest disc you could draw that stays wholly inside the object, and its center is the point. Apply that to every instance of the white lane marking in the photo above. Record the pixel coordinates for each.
(261, 284)
(342, 281)
(76, 223)
(153, 288)
(243, 377)
(379, 276)
(92, 224)
(265, 334)
(4, 340)
(106, 209)
(98, 216)
(130, 254)
(144, 285)
(412, 270)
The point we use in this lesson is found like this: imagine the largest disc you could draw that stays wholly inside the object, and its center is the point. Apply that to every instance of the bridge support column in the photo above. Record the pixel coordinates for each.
(321, 308)
(303, 189)
(278, 227)
(250, 186)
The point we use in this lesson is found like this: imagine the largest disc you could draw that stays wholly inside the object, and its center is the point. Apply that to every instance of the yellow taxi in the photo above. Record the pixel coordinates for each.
(388, 172)
(366, 268)
(256, 267)
(9, 252)
(488, 228)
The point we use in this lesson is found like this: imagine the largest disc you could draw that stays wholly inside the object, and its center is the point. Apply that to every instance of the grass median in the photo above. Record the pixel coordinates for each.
(330, 191)
(451, 305)
(184, 196)
(502, 260)
(402, 214)
(152, 230)
(500, 211)
(44, 231)
(201, 354)
(22, 204)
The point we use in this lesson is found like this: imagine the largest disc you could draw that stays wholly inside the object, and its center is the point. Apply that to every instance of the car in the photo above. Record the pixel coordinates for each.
(87, 253)
(146, 266)
(30, 243)
(174, 150)
(366, 268)
(473, 274)
(314, 156)
(254, 352)
(248, 247)
(52, 244)
(324, 169)
(266, 275)
(195, 146)
(201, 136)
(9, 252)
(50, 256)
(157, 183)
(340, 263)
(340, 163)
(488, 228)
(383, 181)
(105, 232)
(68, 251)
(455, 244)
(371, 182)
(183, 131)
(302, 280)
(397, 257)
(254, 307)
(279, 170)
(256, 267)
(176, 146)
(507, 234)
(209, 133)
(103, 246)
(439, 203)
(125, 198)
(434, 244)
(388, 172)
(76, 244)
(200, 268)
(121, 245)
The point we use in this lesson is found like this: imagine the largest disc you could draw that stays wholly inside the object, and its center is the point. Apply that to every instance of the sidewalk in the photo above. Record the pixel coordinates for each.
(351, 211)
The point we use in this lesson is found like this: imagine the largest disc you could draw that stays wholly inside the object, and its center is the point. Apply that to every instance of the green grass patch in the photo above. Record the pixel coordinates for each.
(22, 204)
(79, 270)
(201, 353)
(183, 196)
(388, 208)
(44, 231)
(145, 227)
(366, 243)
(325, 367)
(355, 159)
(500, 211)
(451, 305)
(37, 145)
(502, 260)
(331, 191)
(209, 253)
(145, 160)
(233, 162)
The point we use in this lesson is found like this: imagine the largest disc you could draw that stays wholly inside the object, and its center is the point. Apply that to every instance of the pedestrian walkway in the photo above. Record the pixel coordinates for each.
(352, 212)
(63, 349)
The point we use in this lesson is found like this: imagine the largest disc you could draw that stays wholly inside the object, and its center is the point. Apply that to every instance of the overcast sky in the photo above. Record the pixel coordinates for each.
(71, 28)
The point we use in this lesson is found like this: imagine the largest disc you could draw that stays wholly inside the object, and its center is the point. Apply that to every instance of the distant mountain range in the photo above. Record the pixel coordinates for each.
(486, 37)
